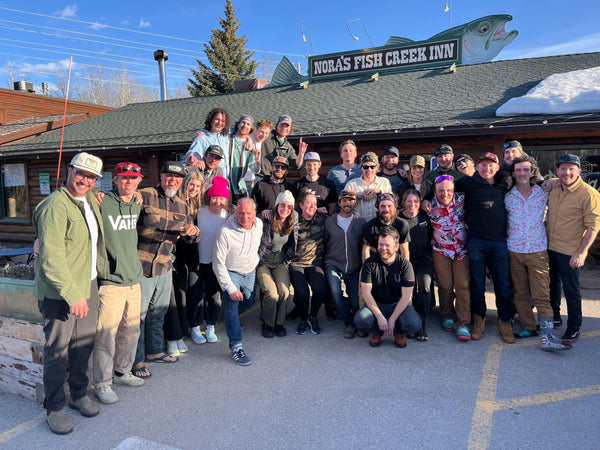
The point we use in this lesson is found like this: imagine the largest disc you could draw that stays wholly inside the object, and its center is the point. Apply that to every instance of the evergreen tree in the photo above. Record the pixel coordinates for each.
(229, 60)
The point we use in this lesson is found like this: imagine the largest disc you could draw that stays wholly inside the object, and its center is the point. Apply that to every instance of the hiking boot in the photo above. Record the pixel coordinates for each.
(463, 334)
(400, 340)
(210, 334)
(86, 406)
(267, 331)
(128, 379)
(172, 348)
(478, 327)
(526, 334)
(280, 331)
(302, 327)
(58, 422)
(570, 335)
(505, 329)
(448, 325)
(375, 340)
(349, 332)
(240, 357)
(106, 395)
(197, 336)
(314, 325)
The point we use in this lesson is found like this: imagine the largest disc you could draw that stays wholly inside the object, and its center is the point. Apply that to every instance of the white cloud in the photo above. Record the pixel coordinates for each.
(97, 26)
(144, 24)
(22, 68)
(583, 44)
(68, 12)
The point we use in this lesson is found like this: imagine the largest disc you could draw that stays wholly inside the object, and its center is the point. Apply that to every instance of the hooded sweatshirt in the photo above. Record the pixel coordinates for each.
(236, 250)
(120, 220)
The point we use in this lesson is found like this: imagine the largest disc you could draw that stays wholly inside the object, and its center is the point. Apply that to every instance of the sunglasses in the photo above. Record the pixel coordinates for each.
(279, 167)
(134, 169)
(511, 144)
(444, 178)
(369, 167)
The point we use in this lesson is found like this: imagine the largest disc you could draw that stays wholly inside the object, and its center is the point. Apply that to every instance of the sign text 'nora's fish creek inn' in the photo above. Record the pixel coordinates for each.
(422, 54)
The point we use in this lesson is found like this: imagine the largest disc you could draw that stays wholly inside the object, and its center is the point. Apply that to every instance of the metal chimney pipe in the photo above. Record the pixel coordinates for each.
(161, 56)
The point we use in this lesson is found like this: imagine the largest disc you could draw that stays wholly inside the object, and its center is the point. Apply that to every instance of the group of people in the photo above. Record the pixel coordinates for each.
(131, 273)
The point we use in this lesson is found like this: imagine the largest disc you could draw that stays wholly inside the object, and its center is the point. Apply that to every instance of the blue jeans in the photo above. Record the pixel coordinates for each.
(245, 282)
(560, 271)
(408, 322)
(346, 306)
(156, 294)
(494, 255)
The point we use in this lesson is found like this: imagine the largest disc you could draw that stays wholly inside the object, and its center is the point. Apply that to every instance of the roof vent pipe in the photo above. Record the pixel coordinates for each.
(161, 56)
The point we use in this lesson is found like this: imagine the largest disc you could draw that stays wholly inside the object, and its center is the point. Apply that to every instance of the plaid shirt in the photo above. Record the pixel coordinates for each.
(159, 226)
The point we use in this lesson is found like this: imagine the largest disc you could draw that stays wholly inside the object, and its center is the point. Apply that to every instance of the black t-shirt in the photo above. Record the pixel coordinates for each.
(323, 188)
(387, 279)
(395, 180)
(372, 227)
(420, 235)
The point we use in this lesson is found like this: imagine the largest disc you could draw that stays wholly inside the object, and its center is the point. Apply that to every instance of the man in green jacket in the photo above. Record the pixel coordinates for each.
(71, 257)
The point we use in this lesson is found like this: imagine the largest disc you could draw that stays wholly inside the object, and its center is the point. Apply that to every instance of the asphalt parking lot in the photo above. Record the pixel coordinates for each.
(323, 391)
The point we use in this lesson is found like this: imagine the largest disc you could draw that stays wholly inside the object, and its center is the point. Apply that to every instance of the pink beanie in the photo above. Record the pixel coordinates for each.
(219, 188)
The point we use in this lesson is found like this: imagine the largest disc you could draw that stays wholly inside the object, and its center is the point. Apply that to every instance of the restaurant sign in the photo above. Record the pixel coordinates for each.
(422, 54)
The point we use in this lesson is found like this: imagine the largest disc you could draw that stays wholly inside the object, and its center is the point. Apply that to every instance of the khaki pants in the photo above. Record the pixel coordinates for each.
(117, 332)
(453, 279)
(275, 288)
(530, 276)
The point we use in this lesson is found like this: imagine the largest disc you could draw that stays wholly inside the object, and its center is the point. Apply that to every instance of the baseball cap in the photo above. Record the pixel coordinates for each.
(443, 149)
(128, 169)
(463, 157)
(312, 156)
(87, 162)
(215, 150)
(570, 159)
(280, 160)
(285, 119)
(347, 194)
(173, 167)
(417, 161)
(391, 150)
(489, 155)
(369, 157)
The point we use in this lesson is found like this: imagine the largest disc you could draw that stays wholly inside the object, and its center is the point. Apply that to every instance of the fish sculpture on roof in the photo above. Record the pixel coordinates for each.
(482, 39)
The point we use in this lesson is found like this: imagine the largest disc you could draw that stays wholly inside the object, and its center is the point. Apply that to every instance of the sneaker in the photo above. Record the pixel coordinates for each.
(106, 395)
(240, 357)
(302, 327)
(267, 331)
(211, 337)
(314, 325)
(551, 343)
(506, 332)
(570, 336)
(129, 379)
(58, 422)
(448, 325)
(463, 333)
(526, 334)
(400, 340)
(557, 321)
(349, 332)
(197, 336)
(375, 340)
(362, 334)
(181, 346)
(86, 406)
(172, 348)
(422, 335)
(280, 331)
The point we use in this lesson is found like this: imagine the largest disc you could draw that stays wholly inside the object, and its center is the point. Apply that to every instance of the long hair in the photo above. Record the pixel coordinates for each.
(410, 192)
(285, 227)
(192, 202)
(535, 170)
(212, 114)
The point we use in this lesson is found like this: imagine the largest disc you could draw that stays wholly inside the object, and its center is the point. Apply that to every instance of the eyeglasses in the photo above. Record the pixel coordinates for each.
(369, 167)
(444, 178)
(279, 167)
(134, 169)
(80, 174)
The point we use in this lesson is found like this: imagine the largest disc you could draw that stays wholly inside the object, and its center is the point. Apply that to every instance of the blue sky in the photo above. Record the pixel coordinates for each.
(39, 37)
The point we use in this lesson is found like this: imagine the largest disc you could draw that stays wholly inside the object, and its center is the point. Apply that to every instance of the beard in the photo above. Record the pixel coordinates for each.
(170, 192)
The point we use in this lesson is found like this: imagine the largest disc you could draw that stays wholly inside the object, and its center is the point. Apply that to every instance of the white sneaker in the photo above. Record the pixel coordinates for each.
(210, 334)
(197, 336)
(181, 346)
(106, 395)
(129, 379)
(172, 348)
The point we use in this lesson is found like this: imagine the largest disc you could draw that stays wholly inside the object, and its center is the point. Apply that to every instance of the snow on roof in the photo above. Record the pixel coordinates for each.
(563, 93)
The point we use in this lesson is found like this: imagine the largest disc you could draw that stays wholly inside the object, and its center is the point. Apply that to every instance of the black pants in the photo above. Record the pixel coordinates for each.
(301, 278)
(69, 344)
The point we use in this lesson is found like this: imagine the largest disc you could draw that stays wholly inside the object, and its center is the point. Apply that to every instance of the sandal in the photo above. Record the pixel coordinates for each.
(141, 372)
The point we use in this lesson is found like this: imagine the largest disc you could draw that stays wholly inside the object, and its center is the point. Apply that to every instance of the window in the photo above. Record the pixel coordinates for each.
(14, 192)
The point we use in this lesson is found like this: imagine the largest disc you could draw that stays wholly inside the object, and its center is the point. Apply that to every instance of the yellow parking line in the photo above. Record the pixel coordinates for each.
(486, 404)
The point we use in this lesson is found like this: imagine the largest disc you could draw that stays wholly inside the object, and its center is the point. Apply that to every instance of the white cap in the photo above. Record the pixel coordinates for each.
(87, 162)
